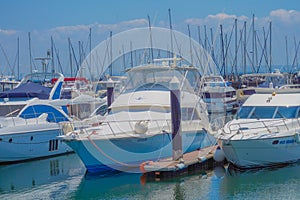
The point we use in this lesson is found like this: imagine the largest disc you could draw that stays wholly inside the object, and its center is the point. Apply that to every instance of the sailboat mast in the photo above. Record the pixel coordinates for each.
(30, 56)
(245, 47)
(222, 50)
(171, 32)
(236, 48)
(70, 57)
(286, 53)
(18, 57)
(52, 55)
(253, 37)
(270, 47)
(111, 56)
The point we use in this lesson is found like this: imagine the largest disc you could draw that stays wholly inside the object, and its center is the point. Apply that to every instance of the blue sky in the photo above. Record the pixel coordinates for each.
(29, 15)
(65, 19)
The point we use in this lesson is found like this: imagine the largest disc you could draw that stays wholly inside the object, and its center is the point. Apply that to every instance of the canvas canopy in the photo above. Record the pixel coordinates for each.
(27, 90)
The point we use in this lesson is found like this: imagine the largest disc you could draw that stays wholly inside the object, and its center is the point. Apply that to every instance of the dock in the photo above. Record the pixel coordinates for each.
(192, 162)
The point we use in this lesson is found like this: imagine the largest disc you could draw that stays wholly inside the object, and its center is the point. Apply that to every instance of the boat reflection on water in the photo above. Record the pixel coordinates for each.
(281, 182)
(109, 185)
(32, 177)
(123, 185)
(65, 177)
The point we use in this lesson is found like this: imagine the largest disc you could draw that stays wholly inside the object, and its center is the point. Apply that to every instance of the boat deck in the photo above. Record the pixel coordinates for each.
(194, 161)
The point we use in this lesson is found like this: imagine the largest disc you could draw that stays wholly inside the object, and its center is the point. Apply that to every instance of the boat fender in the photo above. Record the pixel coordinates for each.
(219, 171)
(297, 137)
(67, 127)
(180, 165)
(141, 127)
(181, 160)
(202, 159)
(219, 155)
(73, 135)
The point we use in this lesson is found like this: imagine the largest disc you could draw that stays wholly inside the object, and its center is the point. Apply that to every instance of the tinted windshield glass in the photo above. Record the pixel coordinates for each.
(267, 112)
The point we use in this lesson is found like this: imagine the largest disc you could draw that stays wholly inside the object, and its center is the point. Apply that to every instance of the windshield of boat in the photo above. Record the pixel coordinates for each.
(159, 77)
(215, 84)
(42, 78)
(277, 81)
(268, 112)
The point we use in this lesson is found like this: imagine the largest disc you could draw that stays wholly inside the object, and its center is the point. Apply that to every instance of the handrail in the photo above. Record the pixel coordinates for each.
(33, 120)
(131, 123)
(13, 112)
(266, 124)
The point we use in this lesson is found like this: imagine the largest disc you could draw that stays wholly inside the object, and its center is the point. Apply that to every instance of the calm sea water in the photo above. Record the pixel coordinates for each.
(64, 177)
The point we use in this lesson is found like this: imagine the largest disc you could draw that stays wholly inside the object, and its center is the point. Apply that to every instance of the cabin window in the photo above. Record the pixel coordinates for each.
(10, 110)
(262, 112)
(54, 115)
(244, 112)
(189, 114)
(268, 112)
(101, 110)
(286, 112)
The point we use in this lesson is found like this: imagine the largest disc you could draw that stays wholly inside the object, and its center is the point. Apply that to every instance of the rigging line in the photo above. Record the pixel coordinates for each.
(106, 56)
(74, 56)
(6, 58)
(15, 61)
(57, 56)
(295, 57)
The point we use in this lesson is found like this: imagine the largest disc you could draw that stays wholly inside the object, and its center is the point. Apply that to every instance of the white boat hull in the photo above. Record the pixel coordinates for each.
(126, 154)
(33, 142)
(262, 152)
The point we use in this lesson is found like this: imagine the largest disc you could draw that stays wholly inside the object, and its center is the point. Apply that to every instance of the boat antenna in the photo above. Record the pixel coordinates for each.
(171, 30)
(151, 45)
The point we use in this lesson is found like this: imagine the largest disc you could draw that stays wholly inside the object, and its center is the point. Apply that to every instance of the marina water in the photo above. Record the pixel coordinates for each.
(65, 177)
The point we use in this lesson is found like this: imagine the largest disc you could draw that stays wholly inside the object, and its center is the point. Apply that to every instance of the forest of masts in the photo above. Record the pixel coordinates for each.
(239, 51)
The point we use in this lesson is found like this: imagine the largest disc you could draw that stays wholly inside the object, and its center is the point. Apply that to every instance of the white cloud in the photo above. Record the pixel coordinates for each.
(7, 32)
(135, 22)
(104, 27)
(215, 19)
(221, 16)
(71, 28)
(286, 16)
